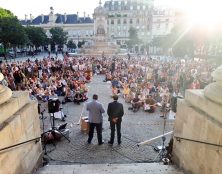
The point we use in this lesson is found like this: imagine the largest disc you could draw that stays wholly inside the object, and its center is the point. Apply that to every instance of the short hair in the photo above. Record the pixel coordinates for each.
(95, 96)
(115, 97)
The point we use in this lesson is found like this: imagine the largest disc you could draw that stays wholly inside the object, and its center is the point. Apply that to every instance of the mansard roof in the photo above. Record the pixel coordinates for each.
(70, 19)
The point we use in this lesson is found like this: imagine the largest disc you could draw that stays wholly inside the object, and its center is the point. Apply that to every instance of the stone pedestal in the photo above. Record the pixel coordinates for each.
(5, 93)
(19, 122)
(199, 118)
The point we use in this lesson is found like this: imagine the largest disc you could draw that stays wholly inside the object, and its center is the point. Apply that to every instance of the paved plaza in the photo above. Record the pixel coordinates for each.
(136, 127)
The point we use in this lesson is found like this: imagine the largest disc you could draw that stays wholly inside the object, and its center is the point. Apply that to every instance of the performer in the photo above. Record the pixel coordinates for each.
(95, 119)
(115, 112)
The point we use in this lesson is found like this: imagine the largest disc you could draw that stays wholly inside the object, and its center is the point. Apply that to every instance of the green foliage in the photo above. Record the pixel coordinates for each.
(5, 13)
(12, 33)
(36, 36)
(80, 44)
(58, 36)
(133, 38)
(71, 44)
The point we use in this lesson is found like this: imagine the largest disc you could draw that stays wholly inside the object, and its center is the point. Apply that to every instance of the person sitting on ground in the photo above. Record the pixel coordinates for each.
(114, 91)
(136, 103)
(68, 96)
(78, 98)
(150, 104)
(126, 90)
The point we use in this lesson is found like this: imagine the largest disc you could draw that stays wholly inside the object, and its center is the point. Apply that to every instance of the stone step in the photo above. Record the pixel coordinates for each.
(140, 168)
(13, 105)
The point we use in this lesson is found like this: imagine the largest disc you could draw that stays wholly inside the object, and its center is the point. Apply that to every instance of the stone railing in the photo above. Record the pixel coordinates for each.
(198, 129)
(19, 127)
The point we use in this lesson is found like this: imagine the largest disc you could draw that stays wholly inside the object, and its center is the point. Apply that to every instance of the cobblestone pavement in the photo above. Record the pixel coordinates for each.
(136, 127)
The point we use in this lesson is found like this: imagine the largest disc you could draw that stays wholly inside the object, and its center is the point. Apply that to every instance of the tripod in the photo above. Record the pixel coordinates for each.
(162, 153)
(55, 129)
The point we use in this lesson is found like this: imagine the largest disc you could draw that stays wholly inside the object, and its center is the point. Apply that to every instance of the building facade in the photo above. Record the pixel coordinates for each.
(119, 17)
(78, 28)
(123, 14)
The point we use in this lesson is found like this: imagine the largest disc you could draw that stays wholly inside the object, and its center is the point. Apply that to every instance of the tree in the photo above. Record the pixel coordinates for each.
(80, 44)
(36, 36)
(71, 44)
(133, 38)
(12, 33)
(58, 36)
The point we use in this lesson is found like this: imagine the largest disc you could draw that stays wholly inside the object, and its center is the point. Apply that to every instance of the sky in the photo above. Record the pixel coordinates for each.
(38, 7)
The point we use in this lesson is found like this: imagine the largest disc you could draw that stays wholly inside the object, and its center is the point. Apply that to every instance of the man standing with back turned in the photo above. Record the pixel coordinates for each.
(95, 119)
(115, 112)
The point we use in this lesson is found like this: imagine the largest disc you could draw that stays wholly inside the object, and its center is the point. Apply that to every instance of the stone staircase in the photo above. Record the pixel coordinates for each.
(140, 168)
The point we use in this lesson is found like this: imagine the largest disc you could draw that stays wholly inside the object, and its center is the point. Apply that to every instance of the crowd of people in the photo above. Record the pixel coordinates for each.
(143, 82)
(147, 83)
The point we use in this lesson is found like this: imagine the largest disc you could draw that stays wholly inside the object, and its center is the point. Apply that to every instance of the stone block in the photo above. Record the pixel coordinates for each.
(14, 104)
(192, 123)
(30, 159)
(22, 125)
(197, 99)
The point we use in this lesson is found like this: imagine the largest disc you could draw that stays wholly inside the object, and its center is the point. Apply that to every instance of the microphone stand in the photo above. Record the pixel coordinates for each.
(43, 129)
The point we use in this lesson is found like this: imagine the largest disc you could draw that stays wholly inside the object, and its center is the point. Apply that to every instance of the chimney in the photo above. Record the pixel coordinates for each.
(42, 18)
(77, 16)
(31, 18)
(26, 17)
(84, 16)
(65, 17)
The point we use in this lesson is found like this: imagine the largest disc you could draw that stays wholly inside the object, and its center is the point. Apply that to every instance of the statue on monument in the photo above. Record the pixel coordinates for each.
(100, 30)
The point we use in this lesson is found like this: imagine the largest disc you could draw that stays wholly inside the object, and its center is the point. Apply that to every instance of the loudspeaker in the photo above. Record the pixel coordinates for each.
(53, 105)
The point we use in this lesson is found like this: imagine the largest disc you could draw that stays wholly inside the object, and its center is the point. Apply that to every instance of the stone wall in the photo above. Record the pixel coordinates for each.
(198, 118)
(19, 122)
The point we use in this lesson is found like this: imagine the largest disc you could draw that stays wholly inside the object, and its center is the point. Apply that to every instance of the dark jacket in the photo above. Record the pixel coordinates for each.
(115, 109)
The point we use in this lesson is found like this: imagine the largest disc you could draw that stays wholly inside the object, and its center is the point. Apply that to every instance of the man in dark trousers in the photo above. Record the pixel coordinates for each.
(95, 119)
(115, 112)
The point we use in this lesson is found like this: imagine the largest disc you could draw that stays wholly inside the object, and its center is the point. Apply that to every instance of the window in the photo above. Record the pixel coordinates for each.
(112, 21)
(131, 7)
(138, 21)
(138, 7)
(131, 21)
(144, 7)
(124, 21)
(118, 21)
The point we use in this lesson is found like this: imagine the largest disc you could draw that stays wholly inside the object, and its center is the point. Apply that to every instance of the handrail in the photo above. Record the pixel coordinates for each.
(15, 145)
(197, 141)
